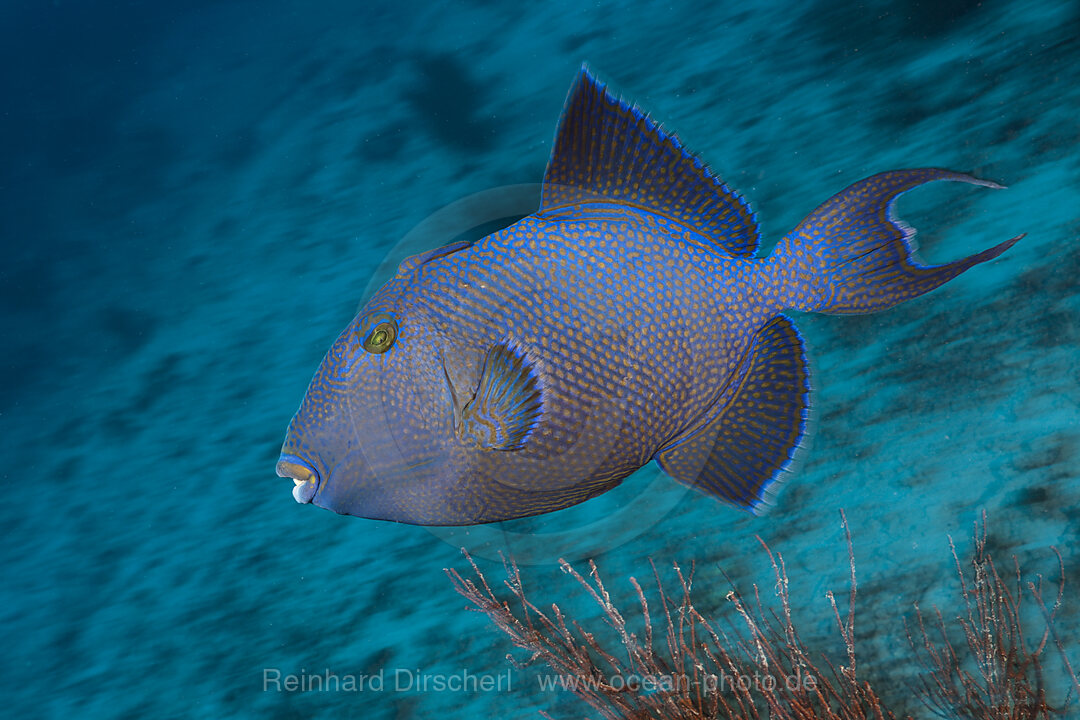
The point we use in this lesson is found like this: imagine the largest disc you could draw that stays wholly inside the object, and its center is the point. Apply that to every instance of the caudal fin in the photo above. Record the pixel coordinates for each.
(853, 255)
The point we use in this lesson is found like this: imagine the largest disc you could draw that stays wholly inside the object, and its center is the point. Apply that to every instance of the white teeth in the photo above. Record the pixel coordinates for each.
(304, 490)
(305, 481)
(297, 496)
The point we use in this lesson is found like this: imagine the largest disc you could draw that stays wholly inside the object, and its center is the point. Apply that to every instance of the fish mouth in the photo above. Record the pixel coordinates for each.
(305, 477)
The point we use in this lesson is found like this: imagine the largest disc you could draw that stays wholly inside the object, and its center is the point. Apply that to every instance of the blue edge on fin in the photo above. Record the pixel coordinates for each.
(766, 496)
(607, 148)
(742, 453)
(509, 402)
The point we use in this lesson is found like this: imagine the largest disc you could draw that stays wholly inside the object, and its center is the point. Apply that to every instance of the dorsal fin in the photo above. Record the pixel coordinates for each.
(607, 148)
(409, 264)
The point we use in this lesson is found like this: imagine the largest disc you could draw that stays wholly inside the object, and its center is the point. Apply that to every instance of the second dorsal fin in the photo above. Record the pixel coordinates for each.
(607, 148)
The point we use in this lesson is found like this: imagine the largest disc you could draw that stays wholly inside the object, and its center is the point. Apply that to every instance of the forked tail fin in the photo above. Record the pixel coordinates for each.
(852, 255)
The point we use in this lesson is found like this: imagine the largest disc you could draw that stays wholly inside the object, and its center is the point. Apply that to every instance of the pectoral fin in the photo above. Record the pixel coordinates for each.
(508, 402)
(740, 454)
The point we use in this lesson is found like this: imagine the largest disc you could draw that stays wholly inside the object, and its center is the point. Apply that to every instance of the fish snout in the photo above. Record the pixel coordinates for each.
(305, 477)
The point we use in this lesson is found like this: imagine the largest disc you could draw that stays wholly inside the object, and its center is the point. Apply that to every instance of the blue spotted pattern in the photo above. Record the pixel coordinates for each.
(626, 320)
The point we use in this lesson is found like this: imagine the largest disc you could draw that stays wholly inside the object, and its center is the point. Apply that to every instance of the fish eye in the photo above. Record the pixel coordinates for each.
(381, 338)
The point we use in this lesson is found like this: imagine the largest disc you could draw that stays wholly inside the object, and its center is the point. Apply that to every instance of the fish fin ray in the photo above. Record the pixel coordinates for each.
(606, 148)
(508, 403)
(728, 457)
(411, 263)
(854, 255)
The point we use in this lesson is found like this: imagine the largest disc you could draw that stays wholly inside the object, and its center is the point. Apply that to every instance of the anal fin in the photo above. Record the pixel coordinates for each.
(740, 454)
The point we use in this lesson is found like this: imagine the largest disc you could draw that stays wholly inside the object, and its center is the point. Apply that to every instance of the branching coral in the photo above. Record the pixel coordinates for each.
(1001, 675)
(755, 666)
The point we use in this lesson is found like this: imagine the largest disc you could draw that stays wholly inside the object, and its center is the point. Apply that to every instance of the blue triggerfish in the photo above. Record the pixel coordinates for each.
(627, 320)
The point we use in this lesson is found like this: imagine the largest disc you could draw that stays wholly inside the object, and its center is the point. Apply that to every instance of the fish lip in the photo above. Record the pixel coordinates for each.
(304, 476)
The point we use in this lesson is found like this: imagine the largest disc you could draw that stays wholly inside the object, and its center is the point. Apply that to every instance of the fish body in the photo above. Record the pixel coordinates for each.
(627, 320)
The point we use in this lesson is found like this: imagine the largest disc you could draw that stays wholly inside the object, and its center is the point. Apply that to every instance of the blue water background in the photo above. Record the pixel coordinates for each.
(196, 195)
